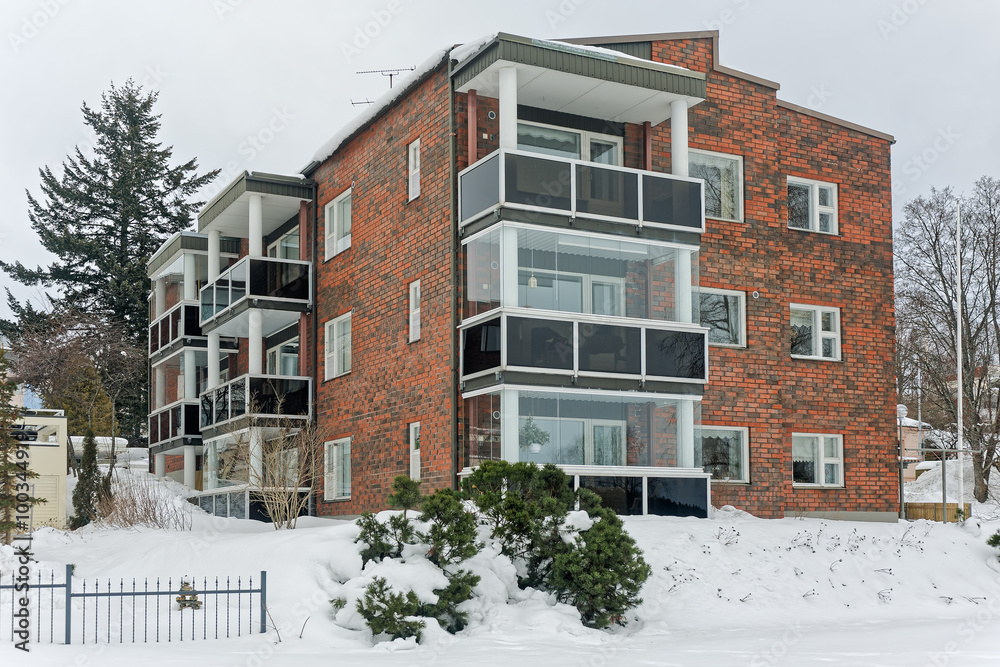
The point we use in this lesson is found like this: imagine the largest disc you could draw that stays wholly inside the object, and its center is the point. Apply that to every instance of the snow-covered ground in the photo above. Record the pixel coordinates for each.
(730, 590)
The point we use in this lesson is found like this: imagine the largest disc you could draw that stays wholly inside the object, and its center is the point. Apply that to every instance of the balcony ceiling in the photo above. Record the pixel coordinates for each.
(229, 211)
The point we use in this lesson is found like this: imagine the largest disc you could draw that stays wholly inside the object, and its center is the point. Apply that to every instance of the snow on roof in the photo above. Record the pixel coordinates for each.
(381, 104)
(907, 422)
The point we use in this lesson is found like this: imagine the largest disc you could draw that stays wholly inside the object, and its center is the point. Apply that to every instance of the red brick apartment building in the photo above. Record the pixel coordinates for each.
(612, 254)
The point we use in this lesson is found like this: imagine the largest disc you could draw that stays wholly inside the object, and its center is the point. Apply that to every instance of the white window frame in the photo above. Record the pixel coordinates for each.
(818, 334)
(274, 249)
(413, 431)
(333, 365)
(742, 296)
(336, 240)
(744, 451)
(814, 207)
(274, 356)
(738, 159)
(585, 139)
(414, 311)
(335, 454)
(587, 281)
(413, 169)
(822, 461)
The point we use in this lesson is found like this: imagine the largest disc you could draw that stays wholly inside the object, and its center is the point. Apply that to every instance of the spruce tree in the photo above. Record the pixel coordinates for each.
(88, 484)
(15, 488)
(104, 215)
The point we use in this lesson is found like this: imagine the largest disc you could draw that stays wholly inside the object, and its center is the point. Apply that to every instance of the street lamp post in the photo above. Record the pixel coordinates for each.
(900, 416)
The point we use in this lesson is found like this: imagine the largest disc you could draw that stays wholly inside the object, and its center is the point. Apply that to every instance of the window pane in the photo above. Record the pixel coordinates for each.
(344, 213)
(798, 206)
(825, 196)
(722, 184)
(831, 449)
(721, 453)
(804, 455)
(608, 446)
(802, 332)
(827, 321)
(548, 141)
(603, 152)
(722, 314)
(606, 298)
(825, 222)
(539, 343)
(610, 349)
(828, 351)
(830, 473)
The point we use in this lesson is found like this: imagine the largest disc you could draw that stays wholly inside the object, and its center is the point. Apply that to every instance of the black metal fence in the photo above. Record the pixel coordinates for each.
(148, 610)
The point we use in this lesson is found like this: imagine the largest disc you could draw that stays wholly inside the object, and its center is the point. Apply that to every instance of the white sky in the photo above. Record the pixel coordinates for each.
(922, 70)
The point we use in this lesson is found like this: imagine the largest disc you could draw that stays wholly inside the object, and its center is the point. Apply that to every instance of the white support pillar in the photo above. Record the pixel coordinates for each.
(508, 107)
(256, 226)
(685, 434)
(256, 455)
(160, 386)
(255, 342)
(509, 269)
(214, 254)
(160, 463)
(214, 366)
(679, 138)
(682, 286)
(189, 466)
(159, 296)
(190, 277)
(509, 426)
(190, 375)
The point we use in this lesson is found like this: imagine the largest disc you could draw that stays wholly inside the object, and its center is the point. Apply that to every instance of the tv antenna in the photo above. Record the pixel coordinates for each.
(388, 72)
(360, 102)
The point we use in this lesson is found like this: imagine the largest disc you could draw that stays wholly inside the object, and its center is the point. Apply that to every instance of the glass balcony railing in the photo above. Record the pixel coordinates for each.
(543, 183)
(181, 321)
(262, 396)
(179, 420)
(599, 348)
(261, 278)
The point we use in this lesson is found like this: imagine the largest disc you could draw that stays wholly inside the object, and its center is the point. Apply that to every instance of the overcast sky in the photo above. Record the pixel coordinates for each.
(284, 72)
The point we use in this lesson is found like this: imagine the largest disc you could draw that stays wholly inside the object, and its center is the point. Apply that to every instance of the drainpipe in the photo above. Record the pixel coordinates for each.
(453, 208)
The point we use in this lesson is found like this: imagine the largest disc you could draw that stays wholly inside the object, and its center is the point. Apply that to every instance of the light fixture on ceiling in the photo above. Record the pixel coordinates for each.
(532, 281)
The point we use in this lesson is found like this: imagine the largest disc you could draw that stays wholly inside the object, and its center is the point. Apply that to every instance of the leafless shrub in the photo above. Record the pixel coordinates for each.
(135, 500)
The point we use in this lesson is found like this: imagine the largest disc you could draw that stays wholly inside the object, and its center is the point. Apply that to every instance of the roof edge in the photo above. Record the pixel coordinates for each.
(836, 121)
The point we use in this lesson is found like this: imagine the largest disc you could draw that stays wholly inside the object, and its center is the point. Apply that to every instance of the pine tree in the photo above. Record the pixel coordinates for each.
(103, 216)
(15, 488)
(88, 485)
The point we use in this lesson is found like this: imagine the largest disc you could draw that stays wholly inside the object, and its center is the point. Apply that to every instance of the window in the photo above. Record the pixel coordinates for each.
(286, 247)
(817, 459)
(812, 205)
(337, 469)
(414, 431)
(283, 359)
(572, 441)
(338, 346)
(338, 224)
(414, 310)
(413, 158)
(815, 332)
(724, 452)
(568, 143)
(724, 313)
(723, 176)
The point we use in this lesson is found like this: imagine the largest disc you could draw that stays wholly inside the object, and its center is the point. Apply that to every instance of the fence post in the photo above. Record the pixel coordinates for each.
(263, 601)
(69, 603)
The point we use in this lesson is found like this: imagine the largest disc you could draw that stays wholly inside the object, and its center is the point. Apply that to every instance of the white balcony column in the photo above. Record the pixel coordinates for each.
(160, 386)
(160, 463)
(255, 342)
(190, 375)
(508, 107)
(256, 226)
(190, 277)
(679, 138)
(159, 296)
(189, 466)
(682, 286)
(685, 435)
(256, 456)
(509, 426)
(214, 366)
(214, 253)
(509, 268)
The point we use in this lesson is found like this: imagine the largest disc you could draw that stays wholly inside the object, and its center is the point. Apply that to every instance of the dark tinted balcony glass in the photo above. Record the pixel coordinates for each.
(481, 347)
(539, 182)
(207, 409)
(610, 349)
(621, 494)
(154, 429)
(175, 420)
(221, 294)
(175, 324)
(539, 343)
(221, 404)
(191, 324)
(283, 280)
(237, 398)
(671, 201)
(672, 496)
(154, 338)
(601, 191)
(191, 420)
(238, 281)
(207, 303)
(675, 354)
(284, 396)
(480, 187)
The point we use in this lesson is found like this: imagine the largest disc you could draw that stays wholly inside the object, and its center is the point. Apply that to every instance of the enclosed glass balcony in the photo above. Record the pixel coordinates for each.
(549, 184)
(283, 287)
(258, 396)
(181, 321)
(175, 422)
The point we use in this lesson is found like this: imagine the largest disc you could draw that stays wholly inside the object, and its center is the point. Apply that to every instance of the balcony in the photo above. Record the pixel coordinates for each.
(546, 184)
(281, 288)
(514, 340)
(174, 426)
(181, 321)
(266, 397)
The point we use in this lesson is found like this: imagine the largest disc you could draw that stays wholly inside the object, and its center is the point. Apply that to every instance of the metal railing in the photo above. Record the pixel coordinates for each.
(547, 184)
(257, 278)
(276, 396)
(148, 610)
(180, 321)
(174, 421)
